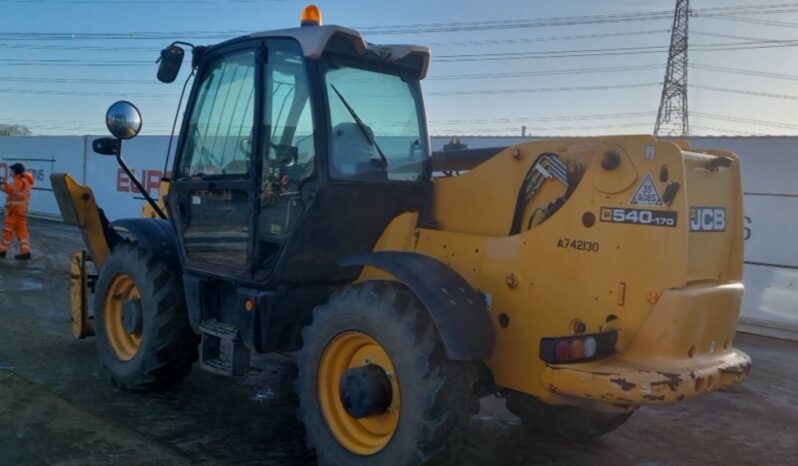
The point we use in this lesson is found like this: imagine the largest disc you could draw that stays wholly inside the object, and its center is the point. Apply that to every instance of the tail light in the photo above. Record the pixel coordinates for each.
(578, 348)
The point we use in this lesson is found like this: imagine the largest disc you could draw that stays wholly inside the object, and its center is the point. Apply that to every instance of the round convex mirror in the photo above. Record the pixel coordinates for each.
(123, 120)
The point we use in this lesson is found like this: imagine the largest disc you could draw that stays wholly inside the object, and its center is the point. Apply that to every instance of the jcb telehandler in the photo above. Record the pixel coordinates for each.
(580, 277)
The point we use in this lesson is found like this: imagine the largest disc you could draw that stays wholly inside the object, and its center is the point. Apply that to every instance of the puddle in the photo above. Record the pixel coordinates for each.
(265, 394)
(23, 285)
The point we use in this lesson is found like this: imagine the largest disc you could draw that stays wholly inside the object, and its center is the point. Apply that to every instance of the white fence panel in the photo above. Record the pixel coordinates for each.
(43, 156)
(114, 191)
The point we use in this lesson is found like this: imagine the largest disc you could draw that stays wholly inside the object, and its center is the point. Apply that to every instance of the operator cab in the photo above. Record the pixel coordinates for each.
(297, 148)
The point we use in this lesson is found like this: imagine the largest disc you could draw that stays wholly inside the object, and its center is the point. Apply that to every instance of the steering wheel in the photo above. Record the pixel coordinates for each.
(415, 146)
(245, 146)
(285, 155)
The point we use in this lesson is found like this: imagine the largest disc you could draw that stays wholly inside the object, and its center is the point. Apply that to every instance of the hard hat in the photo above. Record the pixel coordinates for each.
(17, 168)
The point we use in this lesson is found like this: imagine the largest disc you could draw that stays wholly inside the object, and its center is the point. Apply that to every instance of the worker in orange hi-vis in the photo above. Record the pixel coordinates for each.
(18, 192)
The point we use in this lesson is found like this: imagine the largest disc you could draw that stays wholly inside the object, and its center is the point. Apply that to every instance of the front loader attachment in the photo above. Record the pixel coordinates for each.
(78, 207)
(82, 322)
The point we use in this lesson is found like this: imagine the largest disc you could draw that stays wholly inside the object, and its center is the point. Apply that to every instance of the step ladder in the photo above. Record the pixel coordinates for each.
(222, 351)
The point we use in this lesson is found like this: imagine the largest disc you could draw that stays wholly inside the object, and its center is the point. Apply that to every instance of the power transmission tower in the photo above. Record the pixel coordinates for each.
(672, 114)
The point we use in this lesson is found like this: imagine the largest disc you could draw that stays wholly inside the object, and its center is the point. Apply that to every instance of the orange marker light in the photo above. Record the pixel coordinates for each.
(249, 305)
(311, 16)
(652, 297)
(577, 349)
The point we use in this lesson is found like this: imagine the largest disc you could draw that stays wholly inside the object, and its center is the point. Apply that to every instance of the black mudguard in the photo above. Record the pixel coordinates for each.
(457, 309)
(154, 234)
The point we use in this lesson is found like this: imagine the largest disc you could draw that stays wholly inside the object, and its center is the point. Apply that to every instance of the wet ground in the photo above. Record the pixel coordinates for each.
(58, 408)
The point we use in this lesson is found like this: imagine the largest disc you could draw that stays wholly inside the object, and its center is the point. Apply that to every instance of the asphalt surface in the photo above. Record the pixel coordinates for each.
(58, 408)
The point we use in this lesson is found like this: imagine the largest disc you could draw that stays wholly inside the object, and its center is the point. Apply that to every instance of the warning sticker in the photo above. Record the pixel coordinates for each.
(647, 193)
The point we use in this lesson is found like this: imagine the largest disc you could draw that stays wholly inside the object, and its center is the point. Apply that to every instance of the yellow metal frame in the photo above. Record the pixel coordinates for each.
(82, 323)
(163, 190)
(78, 207)
(673, 295)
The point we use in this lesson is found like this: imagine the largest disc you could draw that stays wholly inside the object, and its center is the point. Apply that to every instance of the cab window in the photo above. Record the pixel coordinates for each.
(290, 151)
(220, 128)
(376, 125)
(289, 154)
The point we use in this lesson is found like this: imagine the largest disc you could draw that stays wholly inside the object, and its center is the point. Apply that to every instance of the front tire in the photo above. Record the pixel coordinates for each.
(144, 339)
(380, 326)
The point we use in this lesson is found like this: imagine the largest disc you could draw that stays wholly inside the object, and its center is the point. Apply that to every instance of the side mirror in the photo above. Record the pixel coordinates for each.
(170, 61)
(123, 120)
(105, 146)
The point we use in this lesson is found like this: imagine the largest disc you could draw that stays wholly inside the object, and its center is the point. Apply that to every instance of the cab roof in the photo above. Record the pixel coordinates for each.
(315, 39)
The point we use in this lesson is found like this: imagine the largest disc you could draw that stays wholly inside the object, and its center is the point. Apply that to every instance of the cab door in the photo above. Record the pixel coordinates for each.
(287, 171)
(213, 192)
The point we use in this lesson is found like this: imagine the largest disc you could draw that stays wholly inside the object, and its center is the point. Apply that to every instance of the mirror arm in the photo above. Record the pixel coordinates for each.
(136, 182)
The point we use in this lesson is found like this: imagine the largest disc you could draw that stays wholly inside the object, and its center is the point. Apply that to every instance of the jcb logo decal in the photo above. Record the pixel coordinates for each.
(707, 219)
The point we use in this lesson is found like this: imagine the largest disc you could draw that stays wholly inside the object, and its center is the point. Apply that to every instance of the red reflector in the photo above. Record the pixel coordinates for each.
(562, 351)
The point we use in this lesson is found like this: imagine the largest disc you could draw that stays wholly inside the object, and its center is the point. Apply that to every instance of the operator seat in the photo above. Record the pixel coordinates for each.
(353, 156)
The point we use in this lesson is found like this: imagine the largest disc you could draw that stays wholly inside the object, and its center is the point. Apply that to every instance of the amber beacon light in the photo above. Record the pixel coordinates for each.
(311, 16)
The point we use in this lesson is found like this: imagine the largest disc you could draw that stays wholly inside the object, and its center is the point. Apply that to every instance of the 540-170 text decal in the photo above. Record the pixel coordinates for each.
(664, 218)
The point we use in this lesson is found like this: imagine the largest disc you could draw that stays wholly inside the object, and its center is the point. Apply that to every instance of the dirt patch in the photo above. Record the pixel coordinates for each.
(60, 408)
(40, 427)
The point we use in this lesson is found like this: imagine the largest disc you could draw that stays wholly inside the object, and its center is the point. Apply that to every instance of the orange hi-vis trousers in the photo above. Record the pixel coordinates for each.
(16, 225)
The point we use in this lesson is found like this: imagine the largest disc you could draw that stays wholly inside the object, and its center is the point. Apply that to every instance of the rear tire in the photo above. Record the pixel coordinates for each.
(560, 421)
(158, 347)
(435, 394)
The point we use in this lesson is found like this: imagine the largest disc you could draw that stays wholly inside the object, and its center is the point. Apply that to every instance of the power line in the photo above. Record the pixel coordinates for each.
(469, 43)
(519, 74)
(572, 20)
(722, 69)
(541, 89)
(607, 51)
(723, 130)
(525, 23)
(105, 2)
(605, 116)
(37, 79)
(82, 93)
(722, 12)
(749, 121)
(447, 58)
(523, 74)
(72, 62)
(746, 92)
(80, 48)
(544, 131)
(759, 21)
(736, 37)
(528, 40)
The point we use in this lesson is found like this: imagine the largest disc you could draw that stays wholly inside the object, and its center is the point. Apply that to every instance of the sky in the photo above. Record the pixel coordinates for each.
(567, 67)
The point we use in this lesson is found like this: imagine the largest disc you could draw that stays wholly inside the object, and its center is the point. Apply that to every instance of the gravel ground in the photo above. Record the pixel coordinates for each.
(58, 408)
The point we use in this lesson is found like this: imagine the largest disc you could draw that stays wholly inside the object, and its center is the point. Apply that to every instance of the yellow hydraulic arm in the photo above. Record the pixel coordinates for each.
(78, 207)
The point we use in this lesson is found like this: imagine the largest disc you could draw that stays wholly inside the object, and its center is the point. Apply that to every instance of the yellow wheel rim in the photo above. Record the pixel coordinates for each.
(125, 344)
(365, 436)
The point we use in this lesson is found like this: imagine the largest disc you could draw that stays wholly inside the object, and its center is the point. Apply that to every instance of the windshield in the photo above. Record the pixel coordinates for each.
(377, 127)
